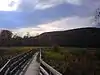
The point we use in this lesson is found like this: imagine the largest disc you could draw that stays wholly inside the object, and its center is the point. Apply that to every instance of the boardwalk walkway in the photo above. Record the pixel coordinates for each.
(28, 64)
(33, 67)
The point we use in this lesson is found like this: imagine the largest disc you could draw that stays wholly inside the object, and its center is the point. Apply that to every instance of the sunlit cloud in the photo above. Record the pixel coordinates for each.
(9, 5)
(59, 25)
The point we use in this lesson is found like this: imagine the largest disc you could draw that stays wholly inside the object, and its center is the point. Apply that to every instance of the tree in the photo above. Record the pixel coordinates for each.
(5, 37)
(16, 40)
(6, 34)
(97, 17)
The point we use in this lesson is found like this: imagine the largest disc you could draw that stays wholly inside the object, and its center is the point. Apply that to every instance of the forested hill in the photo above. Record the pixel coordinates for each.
(81, 37)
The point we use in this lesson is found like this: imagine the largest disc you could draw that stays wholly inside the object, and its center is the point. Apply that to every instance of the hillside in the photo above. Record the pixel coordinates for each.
(81, 37)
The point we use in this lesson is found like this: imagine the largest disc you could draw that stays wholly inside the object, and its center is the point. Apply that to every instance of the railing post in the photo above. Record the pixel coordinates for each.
(40, 53)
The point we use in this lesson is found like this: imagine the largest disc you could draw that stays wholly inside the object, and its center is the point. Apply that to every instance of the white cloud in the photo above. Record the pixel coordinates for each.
(9, 5)
(76, 2)
(43, 4)
(62, 24)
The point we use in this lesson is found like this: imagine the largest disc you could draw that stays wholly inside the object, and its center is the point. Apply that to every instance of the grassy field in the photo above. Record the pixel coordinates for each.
(74, 61)
(9, 52)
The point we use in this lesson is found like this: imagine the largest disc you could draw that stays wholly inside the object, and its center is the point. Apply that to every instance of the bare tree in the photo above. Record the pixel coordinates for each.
(97, 17)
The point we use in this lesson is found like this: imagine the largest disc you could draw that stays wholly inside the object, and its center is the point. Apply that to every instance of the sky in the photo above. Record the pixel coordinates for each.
(38, 16)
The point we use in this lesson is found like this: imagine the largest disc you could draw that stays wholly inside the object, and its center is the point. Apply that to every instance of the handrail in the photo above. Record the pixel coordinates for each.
(4, 67)
(52, 70)
(44, 71)
(16, 63)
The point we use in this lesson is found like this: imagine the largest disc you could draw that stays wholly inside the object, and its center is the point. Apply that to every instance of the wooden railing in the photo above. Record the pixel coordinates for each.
(46, 69)
(15, 65)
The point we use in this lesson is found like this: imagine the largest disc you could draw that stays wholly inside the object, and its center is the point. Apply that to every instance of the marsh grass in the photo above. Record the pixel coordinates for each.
(74, 61)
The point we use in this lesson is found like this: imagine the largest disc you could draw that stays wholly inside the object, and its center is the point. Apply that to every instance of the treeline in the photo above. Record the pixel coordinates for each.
(7, 38)
(81, 37)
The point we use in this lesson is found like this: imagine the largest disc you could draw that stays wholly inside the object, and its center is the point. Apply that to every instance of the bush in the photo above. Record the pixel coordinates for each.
(56, 48)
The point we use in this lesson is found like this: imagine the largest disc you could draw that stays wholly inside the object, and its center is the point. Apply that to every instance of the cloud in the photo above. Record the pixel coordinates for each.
(91, 4)
(59, 14)
(30, 5)
(12, 19)
(9, 5)
(44, 4)
(62, 24)
(76, 2)
(86, 3)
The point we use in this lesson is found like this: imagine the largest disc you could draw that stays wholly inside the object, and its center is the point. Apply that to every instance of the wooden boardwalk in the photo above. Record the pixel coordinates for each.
(33, 68)
(36, 68)
(28, 64)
